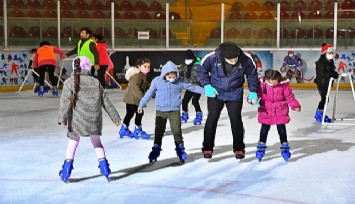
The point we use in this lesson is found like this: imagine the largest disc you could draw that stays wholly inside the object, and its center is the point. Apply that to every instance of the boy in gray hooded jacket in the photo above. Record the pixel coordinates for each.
(168, 88)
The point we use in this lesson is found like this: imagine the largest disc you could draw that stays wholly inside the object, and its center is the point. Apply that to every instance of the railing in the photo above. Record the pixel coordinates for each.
(251, 29)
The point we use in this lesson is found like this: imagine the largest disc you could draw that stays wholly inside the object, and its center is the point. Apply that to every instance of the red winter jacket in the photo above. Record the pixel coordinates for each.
(274, 103)
(103, 55)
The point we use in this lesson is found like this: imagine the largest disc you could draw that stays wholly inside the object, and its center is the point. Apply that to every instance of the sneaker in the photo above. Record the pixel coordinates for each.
(239, 154)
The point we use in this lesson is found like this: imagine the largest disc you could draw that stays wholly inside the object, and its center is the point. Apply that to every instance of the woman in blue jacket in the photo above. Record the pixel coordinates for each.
(167, 89)
(222, 73)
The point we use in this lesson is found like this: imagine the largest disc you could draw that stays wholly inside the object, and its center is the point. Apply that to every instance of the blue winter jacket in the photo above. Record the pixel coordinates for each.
(230, 88)
(168, 94)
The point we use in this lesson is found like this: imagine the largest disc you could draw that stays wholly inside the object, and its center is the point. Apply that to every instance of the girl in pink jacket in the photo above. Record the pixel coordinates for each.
(276, 97)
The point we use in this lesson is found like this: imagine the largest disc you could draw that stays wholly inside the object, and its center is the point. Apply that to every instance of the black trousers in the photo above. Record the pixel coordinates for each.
(195, 101)
(234, 109)
(281, 129)
(42, 73)
(100, 74)
(322, 90)
(132, 109)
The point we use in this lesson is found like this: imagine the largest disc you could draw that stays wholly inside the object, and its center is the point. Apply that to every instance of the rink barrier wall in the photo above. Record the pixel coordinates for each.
(14, 65)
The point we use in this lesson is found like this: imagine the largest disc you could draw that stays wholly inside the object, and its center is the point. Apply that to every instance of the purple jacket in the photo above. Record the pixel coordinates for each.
(274, 103)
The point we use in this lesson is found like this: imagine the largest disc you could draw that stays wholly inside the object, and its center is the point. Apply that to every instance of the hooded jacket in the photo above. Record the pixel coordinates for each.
(274, 103)
(137, 86)
(168, 94)
(229, 86)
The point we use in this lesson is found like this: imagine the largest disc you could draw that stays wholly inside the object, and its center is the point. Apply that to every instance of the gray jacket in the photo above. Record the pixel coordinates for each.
(86, 118)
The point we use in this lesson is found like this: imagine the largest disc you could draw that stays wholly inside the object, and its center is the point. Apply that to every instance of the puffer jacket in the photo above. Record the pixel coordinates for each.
(137, 86)
(324, 71)
(185, 68)
(230, 88)
(86, 118)
(274, 103)
(168, 94)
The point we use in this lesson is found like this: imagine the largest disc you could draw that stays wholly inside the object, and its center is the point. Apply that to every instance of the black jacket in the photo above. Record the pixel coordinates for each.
(324, 71)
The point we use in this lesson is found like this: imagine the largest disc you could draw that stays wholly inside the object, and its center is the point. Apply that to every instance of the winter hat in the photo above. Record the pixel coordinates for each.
(85, 63)
(291, 52)
(229, 50)
(327, 48)
(189, 54)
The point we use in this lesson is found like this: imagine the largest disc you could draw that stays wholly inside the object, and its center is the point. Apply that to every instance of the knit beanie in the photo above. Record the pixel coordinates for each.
(85, 63)
(327, 48)
(229, 50)
(189, 54)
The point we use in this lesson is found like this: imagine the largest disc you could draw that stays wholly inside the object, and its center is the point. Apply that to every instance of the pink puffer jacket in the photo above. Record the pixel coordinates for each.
(274, 103)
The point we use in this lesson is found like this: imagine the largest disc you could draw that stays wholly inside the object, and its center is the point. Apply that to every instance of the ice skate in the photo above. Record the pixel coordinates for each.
(41, 91)
(154, 154)
(239, 154)
(207, 154)
(46, 89)
(36, 90)
(139, 133)
(319, 117)
(285, 151)
(198, 119)
(55, 91)
(180, 152)
(260, 152)
(184, 116)
(66, 170)
(104, 168)
(125, 132)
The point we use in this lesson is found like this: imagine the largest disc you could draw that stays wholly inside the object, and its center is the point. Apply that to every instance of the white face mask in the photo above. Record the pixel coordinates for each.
(188, 61)
(171, 80)
(290, 55)
(231, 62)
(329, 56)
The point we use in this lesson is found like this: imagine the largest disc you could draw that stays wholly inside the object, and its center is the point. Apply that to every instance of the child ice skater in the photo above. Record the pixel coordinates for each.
(325, 69)
(275, 98)
(81, 111)
(168, 88)
(137, 87)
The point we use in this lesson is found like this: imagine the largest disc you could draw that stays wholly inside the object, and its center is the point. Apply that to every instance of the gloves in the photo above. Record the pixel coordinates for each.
(335, 75)
(210, 91)
(253, 99)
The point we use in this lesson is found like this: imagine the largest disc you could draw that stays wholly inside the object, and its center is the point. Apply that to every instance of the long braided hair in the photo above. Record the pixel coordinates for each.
(77, 71)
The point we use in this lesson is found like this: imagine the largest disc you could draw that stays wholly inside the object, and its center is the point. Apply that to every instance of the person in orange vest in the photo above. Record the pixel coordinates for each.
(46, 61)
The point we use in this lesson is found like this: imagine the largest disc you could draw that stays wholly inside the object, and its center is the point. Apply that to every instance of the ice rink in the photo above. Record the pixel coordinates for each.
(33, 145)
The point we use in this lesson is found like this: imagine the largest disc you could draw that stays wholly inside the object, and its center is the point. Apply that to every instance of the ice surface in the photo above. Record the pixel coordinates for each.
(321, 169)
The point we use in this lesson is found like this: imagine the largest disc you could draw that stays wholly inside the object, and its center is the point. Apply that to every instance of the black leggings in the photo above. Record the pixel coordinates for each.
(130, 110)
(322, 90)
(234, 109)
(281, 129)
(100, 74)
(195, 101)
(42, 72)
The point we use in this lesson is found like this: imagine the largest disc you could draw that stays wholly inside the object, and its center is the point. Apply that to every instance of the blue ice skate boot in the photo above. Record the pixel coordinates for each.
(260, 152)
(66, 170)
(198, 119)
(139, 133)
(55, 91)
(285, 151)
(41, 91)
(125, 132)
(319, 117)
(104, 168)
(37, 87)
(184, 116)
(154, 154)
(46, 89)
(180, 152)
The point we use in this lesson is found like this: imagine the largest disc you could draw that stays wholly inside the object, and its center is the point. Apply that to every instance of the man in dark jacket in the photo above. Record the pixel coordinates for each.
(325, 69)
(222, 73)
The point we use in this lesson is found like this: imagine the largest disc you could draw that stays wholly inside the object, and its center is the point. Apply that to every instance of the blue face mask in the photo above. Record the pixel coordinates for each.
(171, 80)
